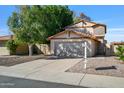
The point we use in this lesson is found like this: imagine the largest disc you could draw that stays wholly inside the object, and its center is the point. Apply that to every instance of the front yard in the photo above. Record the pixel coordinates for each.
(109, 66)
(13, 60)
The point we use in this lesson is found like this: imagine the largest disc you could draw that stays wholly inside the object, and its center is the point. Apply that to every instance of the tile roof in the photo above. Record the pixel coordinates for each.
(8, 37)
(117, 43)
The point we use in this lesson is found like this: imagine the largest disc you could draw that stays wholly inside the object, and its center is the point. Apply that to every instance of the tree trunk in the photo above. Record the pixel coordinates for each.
(30, 49)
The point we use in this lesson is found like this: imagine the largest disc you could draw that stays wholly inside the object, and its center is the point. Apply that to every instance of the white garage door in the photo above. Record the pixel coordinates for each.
(69, 49)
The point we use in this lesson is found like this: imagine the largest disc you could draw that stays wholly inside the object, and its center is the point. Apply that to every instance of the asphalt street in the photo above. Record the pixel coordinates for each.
(12, 82)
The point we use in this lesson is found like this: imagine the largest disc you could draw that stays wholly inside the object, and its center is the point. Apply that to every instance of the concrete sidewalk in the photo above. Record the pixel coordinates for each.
(54, 71)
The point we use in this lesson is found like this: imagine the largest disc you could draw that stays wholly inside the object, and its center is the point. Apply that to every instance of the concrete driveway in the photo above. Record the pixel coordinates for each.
(52, 70)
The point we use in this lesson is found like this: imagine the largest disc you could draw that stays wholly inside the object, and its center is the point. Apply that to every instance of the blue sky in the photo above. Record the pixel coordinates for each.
(112, 16)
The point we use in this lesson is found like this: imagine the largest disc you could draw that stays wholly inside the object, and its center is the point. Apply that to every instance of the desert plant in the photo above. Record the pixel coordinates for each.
(120, 52)
(12, 45)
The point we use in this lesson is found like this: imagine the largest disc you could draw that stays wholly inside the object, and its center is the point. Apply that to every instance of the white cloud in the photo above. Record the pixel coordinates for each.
(115, 29)
(115, 35)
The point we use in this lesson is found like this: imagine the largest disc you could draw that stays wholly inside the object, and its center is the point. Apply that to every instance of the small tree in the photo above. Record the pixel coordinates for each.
(120, 52)
(11, 45)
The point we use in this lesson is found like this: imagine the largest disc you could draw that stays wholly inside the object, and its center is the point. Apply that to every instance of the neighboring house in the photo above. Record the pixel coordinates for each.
(114, 46)
(70, 42)
(22, 49)
(3, 49)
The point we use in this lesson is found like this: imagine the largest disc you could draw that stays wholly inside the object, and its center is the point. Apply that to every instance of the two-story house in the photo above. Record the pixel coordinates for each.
(70, 42)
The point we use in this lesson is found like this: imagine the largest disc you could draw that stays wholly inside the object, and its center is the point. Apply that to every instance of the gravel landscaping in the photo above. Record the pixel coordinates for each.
(109, 66)
(13, 60)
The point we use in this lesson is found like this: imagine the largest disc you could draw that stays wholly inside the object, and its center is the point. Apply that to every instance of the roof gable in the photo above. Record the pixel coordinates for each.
(64, 34)
(67, 34)
(84, 24)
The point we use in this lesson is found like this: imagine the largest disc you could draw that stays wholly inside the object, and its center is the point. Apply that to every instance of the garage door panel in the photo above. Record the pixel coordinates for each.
(69, 49)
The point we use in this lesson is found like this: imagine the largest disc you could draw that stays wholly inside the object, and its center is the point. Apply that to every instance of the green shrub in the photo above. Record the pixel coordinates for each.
(120, 52)
(12, 45)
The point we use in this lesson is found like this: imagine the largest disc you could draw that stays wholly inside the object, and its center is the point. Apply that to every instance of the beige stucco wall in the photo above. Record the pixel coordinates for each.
(94, 46)
(4, 51)
(99, 31)
(113, 49)
(107, 49)
(38, 48)
(65, 35)
(43, 49)
(62, 36)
